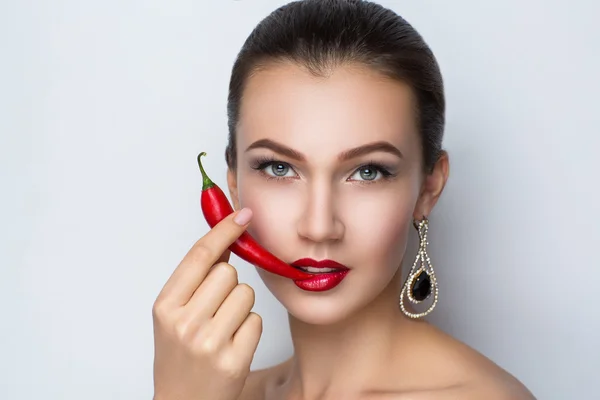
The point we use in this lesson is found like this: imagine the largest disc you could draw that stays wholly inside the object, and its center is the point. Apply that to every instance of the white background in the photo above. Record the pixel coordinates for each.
(104, 106)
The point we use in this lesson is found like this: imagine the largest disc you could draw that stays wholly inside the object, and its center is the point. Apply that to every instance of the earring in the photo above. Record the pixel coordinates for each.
(421, 281)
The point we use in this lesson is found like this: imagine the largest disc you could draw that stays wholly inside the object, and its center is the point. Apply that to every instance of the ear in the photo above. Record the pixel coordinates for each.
(432, 187)
(233, 190)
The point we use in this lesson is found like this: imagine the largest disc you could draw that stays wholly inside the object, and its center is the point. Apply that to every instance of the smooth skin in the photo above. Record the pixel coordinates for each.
(205, 333)
(349, 343)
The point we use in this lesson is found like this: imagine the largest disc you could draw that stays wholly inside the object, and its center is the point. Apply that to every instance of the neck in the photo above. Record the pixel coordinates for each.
(350, 355)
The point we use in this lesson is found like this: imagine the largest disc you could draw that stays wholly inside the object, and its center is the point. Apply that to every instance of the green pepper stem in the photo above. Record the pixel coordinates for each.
(206, 182)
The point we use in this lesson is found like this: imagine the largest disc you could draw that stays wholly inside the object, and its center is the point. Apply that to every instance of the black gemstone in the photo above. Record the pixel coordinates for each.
(421, 288)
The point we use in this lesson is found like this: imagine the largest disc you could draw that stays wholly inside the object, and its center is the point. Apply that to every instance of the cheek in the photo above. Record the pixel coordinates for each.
(377, 224)
(376, 220)
(275, 207)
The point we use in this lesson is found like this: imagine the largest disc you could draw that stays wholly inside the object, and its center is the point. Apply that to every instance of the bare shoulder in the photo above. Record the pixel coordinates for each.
(492, 391)
(257, 381)
(497, 388)
(455, 370)
(490, 388)
(485, 379)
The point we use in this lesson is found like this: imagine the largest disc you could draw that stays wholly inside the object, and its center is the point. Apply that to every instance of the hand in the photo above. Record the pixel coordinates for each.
(205, 335)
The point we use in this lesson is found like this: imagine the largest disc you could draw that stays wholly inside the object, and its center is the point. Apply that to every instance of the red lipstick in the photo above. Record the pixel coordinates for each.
(320, 281)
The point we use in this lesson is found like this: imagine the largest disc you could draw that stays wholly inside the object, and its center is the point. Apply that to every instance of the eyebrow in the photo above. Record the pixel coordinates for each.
(382, 146)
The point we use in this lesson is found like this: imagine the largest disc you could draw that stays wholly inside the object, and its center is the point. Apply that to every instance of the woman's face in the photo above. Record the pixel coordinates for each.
(309, 202)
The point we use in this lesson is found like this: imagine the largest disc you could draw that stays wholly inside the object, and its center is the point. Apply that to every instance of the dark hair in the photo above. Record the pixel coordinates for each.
(322, 34)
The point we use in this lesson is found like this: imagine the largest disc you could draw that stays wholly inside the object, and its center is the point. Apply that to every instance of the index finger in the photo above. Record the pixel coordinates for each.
(206, 252)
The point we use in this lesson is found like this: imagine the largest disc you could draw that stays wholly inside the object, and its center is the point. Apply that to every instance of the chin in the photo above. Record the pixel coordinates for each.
(322, 308)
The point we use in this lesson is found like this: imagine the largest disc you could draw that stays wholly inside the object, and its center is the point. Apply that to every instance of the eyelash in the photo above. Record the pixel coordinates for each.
(261, 163)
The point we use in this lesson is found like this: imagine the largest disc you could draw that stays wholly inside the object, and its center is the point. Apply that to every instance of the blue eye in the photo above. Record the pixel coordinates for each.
(368, 173)
(271, 168)
(274, 169)
(278, 169)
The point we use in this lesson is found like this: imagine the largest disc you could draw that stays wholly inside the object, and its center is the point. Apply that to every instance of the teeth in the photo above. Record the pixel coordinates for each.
(313, 269)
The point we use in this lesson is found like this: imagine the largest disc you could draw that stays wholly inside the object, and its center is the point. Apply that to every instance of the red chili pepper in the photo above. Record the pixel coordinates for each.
(215, 207)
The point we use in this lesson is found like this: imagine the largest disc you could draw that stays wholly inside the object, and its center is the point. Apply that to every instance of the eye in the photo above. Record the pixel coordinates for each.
(277, 169)
(371, 172)
(367, 173)
(273, 169)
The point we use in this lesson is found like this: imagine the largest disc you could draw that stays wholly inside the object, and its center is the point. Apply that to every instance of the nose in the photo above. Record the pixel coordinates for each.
(319, 222)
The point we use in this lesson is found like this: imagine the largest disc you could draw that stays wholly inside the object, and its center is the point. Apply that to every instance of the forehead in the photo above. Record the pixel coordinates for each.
(350, 106)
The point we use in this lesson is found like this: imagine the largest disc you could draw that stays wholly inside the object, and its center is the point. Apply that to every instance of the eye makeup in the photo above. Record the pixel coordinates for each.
(261, 163)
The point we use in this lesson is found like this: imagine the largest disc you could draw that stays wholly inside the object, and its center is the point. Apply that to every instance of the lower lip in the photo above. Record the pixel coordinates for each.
(322, 282)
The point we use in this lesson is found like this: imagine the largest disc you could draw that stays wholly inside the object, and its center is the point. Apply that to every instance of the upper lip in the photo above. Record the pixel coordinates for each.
(309, 262)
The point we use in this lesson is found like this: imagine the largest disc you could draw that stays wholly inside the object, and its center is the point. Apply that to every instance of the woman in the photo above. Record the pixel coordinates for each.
(336, 116)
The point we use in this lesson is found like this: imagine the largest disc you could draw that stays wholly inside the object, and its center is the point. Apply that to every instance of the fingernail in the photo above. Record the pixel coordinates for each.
(243, 217)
